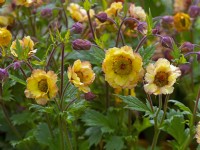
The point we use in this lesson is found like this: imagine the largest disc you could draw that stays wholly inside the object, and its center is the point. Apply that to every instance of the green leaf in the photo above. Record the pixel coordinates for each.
(42, 134)
(149, 20)
(21, 118)
(94, 134)
(67, 36)
(176, 53)
(146, 54)
(86, 5)
(114, 143)
(104, 4)
(39, 108)
(142, 125)
(96, 119)
(17, 79)
(182, 106)
(134, 103)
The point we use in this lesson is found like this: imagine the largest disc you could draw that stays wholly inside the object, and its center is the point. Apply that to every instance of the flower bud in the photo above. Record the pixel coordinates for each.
(142, 27)
(185, 69)
(167, 21)
(77, 28)
(167, 42)
(3, 74)
(89, 96)
(187, 47)
(198, 56)
(102, 17)
(80, 44)
(47, 12)
(194, 11)
(156, 30)
(16, 65)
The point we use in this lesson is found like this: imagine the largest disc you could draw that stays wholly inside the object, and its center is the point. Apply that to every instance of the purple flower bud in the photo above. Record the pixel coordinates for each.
(156, 30)
(77, 28)
(194, 11)
(102, 17)
(16, 65)
(187, 47)
(167, 21)
(89, 96)
(46, 12)
(185, 69)
(3, 74)
(167, 42)
(142, 27)
(198, 56)
(80, 44)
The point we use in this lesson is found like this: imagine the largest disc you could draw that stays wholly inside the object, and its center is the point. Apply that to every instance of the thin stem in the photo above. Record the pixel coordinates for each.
(140, 44)
(62, 144)
(150, 101)
(107, 96)
(118, 33)
(29, 65)
(49, 125)
(66, 20)
(67, 136)
(23, 72)
(165, 109)
(62, 96)
(62, 72)
(70, 103)
(196, 106)
(90, 23)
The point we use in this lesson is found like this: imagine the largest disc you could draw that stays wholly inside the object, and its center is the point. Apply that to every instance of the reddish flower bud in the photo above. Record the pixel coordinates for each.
(187, 47)
(77, 28)
(102, 17)
(89, 96)
(3, 74)
(80, 44)
(142, 27)
(47, 12)
(16, 65)
(194, 11)
(167, 21)
(185, 69)
(167, 42)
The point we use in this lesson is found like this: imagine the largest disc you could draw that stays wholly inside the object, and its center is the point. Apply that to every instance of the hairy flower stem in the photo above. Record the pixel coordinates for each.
(49, 125)
(90, 23)
(107, 96)
(62, 144)
(119, 31)
(141, 43)
(62, 72)
(69, 145)
(165, 109)
(156, 127)
(64, 12)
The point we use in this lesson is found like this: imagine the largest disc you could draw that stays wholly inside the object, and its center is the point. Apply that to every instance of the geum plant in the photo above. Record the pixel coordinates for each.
(110, 106)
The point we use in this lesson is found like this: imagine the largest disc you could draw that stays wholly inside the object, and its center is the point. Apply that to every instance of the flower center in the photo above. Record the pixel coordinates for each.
(161, 79)
(80, 75)
(42, 85)
(183, 21)
(122, 65)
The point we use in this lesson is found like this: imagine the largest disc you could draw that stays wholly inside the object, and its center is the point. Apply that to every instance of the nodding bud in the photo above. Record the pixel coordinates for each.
(194, 11)
(198, 56)
(80, 44)
(187, 47)
(16, 65)
(167, 21)
(46, 12)
(156, 30)
(167, 42)
(89, 96)
(102, 17)
(3, 74)
(142, 27)
(185, 69)
(77, 28)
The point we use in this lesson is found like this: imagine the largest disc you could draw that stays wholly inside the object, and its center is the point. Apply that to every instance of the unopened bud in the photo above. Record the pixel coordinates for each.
(194, 11)
(156, 30)
(185, 69)
(47, 12)
(187, 47)
(77, 28)
(3, 74)
(167, 42)
(167, 21)
(80, 44)
(89, 96)
(198, 56)
(102, 17)
(16, 65)
(142, 27)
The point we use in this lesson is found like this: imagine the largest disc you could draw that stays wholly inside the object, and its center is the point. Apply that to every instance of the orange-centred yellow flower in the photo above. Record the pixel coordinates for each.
(81, 75)
(198, 132)
(122, 67)
(5, 37)
(41, 86)
(26, 44)
(182, 22)
(160, 77)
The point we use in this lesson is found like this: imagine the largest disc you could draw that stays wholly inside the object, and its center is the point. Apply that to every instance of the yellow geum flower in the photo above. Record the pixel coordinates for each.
(26, 3)
(78, 13)
(160, 77)
(5, 37)
(2, 2)
(137, 12)
(198, 132)
(122, 67)
(182, 22)
(81, 75)
(114, 8)
(41, 86)
(26, 43)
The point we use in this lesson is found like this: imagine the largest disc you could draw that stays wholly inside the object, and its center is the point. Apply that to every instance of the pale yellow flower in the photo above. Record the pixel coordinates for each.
(41, 86)
(122, 67)
(5, 21)
(5, 37)
(78, 13)
(137, 12)
(181, 5)
(26, 43)
(26, 3)
(182, 22)
(81, 75)
(160, 77)
(114, 8)
(198, 133)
